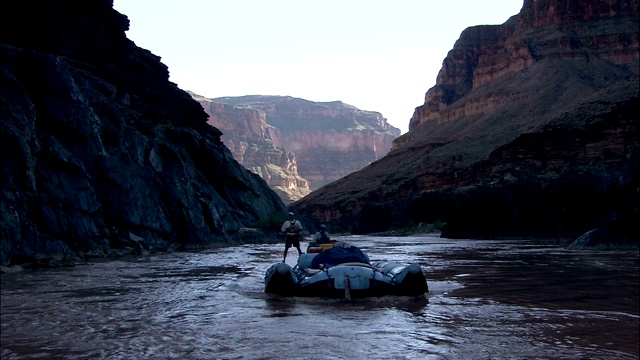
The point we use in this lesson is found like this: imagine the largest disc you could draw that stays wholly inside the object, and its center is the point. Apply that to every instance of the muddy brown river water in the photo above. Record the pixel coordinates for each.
(487, 300)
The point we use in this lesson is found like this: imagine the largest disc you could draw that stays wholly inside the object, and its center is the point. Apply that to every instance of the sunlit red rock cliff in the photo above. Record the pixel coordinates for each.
(248, 136)
(297, 145)
(530, 130)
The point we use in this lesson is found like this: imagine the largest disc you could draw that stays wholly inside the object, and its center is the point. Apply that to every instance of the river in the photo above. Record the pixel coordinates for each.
(502, 299)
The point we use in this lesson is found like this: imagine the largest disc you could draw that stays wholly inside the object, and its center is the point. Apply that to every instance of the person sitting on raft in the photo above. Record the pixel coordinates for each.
(322, 236)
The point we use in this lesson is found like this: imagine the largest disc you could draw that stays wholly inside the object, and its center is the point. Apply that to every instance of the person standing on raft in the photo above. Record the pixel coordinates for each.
(291, 228)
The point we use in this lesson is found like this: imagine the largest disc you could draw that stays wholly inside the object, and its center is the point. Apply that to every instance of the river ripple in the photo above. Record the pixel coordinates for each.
(487, 300)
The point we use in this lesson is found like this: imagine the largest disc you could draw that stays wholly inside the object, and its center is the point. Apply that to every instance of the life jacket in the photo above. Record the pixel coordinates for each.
(292, 227)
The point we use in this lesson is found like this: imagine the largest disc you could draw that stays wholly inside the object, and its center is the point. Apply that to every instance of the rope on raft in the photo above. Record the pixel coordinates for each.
(347, 290)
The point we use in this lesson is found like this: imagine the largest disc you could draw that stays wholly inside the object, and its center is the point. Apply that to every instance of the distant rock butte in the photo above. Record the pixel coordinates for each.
(248, 136)
(300, 140)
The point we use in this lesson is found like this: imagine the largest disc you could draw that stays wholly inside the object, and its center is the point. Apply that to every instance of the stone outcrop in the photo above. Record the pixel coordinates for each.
(248, 136)
(550, 29)
(329, 139)
(100, 152)
(530, 130)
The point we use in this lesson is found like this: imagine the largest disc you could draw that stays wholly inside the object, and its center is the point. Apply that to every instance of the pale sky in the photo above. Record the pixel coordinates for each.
(377, 55)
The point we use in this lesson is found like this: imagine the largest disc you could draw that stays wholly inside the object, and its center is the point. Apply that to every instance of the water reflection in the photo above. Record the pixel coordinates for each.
(487, 300)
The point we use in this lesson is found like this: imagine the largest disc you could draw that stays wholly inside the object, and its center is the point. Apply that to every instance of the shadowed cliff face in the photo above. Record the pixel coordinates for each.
(101, 154)
(530, 130)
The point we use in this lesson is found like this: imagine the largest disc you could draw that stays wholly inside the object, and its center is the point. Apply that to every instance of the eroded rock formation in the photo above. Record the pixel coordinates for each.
(530, 130)
(329, 139)
(100, 152)
(601, 31)
(248, 136)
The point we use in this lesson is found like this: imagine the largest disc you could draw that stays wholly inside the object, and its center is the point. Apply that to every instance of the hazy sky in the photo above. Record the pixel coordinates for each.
(377, 55)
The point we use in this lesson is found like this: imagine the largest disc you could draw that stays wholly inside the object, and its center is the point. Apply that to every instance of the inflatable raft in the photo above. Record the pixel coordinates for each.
(344, 271)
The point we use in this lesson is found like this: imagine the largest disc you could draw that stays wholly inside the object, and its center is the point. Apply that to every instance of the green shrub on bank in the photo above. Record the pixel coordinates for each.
(271, 222)
(411, 228)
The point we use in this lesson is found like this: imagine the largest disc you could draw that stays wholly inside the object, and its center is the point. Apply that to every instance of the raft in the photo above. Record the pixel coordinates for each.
(344, 271)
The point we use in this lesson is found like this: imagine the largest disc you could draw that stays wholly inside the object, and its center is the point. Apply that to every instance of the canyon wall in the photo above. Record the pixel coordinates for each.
(248, 136)
(569, 30)
(101, 154)
(323, 141)
(530, 130)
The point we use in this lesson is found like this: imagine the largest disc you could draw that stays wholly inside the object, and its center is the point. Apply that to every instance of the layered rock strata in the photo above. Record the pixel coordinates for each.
(530, 130)
(329, 139)
(101, 154)
(569, 30)
(248, 136)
